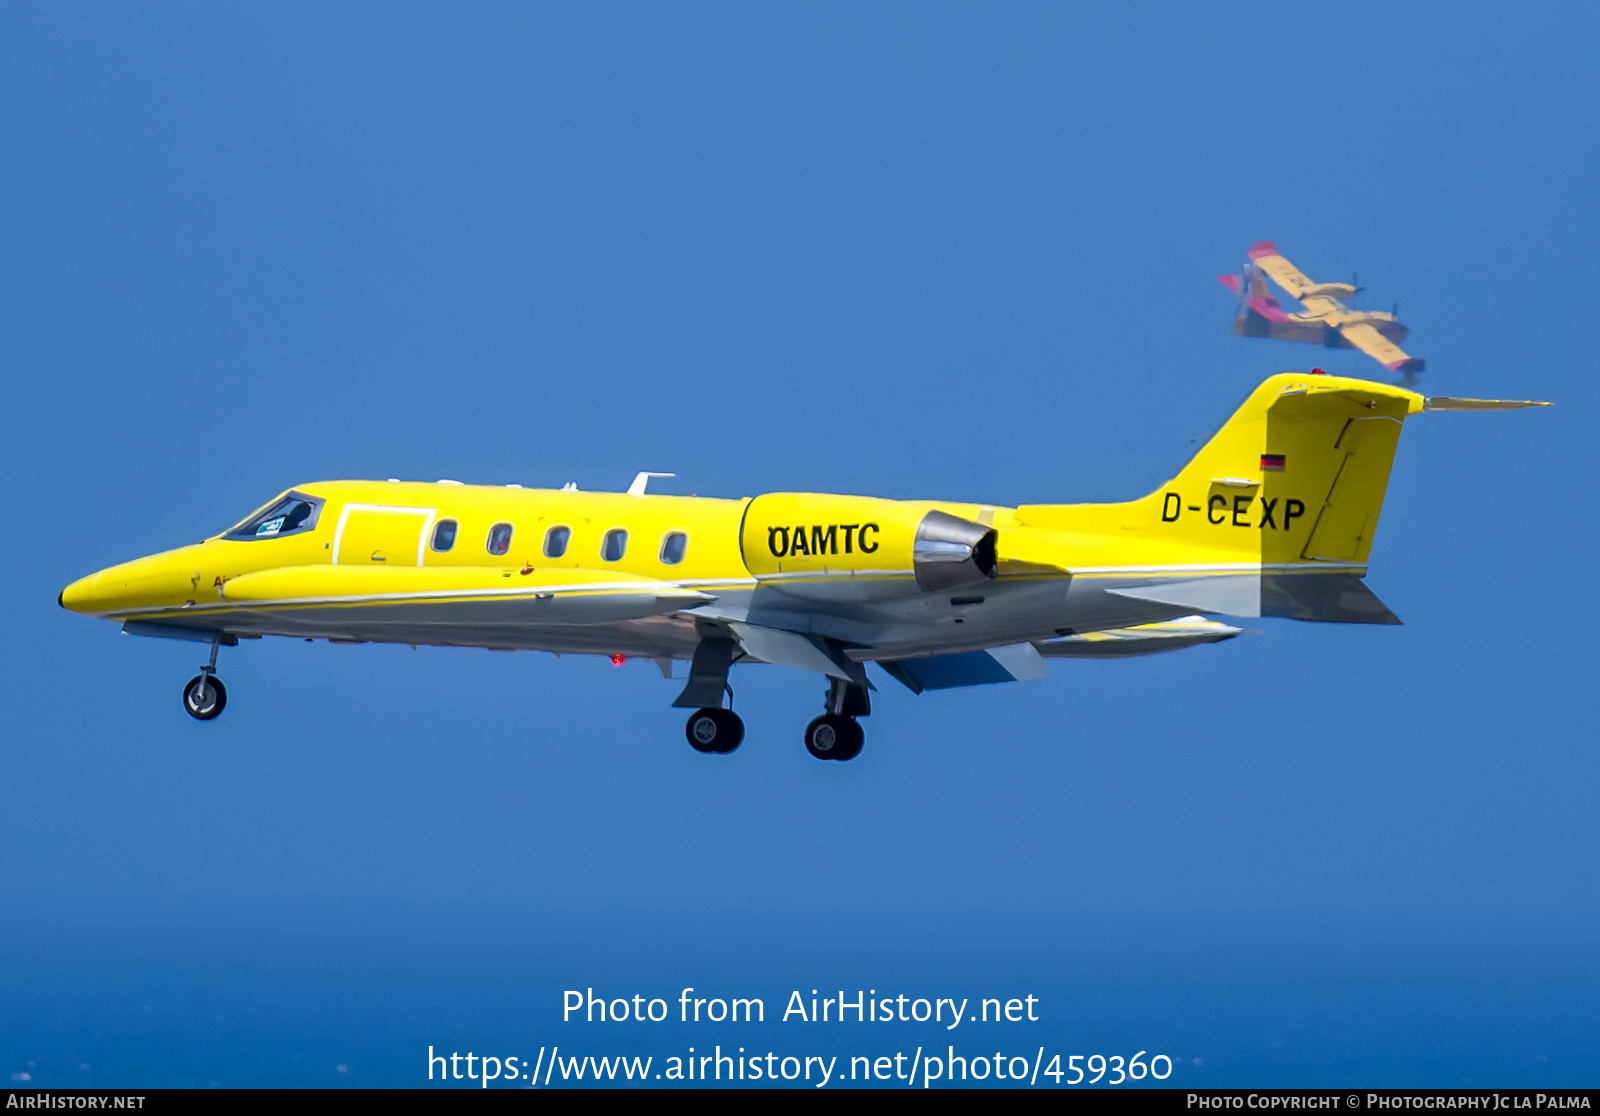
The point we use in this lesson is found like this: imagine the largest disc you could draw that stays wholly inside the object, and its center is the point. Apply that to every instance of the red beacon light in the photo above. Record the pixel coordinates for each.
(1318, 372)
(618, 660)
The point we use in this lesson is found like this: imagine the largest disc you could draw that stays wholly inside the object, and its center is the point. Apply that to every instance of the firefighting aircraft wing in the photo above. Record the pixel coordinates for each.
(1273, 517)
(1324, 319)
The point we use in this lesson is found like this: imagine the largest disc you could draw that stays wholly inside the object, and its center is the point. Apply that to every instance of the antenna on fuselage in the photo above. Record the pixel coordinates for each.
(639, 482)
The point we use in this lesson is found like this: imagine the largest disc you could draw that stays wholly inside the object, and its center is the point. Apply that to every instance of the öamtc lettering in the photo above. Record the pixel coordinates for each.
(815, 540)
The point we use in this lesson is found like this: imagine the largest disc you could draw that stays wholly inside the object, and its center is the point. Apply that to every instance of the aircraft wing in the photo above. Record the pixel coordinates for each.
(1366, 338)
(1285, 274)
(793, 649)
(338, 596)
(1143, 639)
(1017, 662)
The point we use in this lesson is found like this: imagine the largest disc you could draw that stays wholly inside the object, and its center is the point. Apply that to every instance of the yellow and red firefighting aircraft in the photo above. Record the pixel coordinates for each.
(1326, 320)
(1273, 517)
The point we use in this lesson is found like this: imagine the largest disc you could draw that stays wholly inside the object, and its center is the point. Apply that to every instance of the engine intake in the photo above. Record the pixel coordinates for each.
(949, 552)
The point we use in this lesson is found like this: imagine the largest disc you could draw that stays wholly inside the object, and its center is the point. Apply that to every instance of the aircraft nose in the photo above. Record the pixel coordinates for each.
(158, 581)
(80, 595)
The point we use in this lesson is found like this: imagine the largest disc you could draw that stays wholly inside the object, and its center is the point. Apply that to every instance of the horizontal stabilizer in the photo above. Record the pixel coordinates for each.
(1018, 662)
(1446, 403)
(1230, 281)
(1332, 598)
(1329, 598)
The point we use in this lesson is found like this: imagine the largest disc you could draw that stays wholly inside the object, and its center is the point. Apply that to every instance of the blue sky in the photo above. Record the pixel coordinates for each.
(905, 250)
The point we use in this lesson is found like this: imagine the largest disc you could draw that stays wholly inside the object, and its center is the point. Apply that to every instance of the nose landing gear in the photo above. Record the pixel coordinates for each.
(205, 696)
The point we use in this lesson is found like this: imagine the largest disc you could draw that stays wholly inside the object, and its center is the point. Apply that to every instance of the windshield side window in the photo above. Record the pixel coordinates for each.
(673, 546)
(294, 514)
(499, 538)
(615, 545)
(555, 541)
(444, 535)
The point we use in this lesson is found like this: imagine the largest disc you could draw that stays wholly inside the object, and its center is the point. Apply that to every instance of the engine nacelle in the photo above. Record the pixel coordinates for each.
(800, 538)
(949, 552)
(1328, 290)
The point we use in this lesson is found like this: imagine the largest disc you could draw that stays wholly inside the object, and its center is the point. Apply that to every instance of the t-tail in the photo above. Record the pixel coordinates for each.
(1276, 515)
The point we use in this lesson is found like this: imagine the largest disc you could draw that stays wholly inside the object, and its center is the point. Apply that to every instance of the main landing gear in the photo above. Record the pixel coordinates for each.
(837, 735)
(714, 730)
(832, 737)
(205, 697)
(711, 728)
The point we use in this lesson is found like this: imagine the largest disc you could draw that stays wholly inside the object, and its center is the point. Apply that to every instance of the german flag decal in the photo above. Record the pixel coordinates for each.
(1272, 462)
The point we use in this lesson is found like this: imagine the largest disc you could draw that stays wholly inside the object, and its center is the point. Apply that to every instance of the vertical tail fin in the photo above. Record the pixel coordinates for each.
(1292, 485)
(1297, 474)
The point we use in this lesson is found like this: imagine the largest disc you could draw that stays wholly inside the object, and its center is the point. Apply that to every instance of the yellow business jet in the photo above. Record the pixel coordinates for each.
(1273, 517)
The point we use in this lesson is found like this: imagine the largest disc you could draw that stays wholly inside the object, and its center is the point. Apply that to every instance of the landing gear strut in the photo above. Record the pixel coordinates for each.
(837, 735)
(205, 696)
(711, 728)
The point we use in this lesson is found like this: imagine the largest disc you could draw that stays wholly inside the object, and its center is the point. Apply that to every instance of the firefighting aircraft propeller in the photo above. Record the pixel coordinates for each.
(1273, 517)
(1326, 320)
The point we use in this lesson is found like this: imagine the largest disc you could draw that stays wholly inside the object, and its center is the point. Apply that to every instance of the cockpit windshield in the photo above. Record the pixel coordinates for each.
(291, 515)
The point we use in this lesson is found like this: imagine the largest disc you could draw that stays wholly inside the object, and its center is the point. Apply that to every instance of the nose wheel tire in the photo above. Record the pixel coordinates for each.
(204, 697)
(716, 731)
(835, 737)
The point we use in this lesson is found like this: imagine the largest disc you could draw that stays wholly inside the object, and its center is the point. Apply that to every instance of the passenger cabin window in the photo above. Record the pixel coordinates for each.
(673, 546)
(444, 535)
(294, 514)
(615, 545)
(500, 538)
(555, 541)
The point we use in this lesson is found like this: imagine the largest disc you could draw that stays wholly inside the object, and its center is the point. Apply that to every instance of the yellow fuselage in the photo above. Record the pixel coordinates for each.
(1290, 487)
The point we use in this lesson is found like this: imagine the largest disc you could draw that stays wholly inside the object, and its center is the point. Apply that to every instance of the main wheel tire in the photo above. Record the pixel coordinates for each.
(732, 731)
(204, 697)
(716, 731)
(829, 736)
(850, 744)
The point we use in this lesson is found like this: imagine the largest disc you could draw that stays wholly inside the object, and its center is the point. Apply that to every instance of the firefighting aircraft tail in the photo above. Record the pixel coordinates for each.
(1277, 512)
